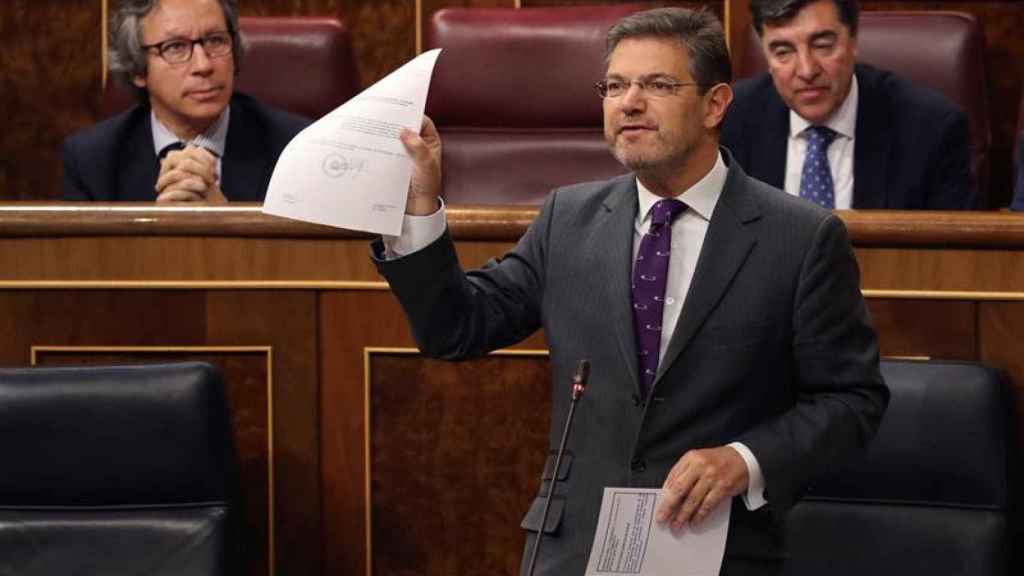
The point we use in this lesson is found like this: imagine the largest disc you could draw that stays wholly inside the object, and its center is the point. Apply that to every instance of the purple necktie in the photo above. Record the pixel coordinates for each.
(650, 273)
(816, 177)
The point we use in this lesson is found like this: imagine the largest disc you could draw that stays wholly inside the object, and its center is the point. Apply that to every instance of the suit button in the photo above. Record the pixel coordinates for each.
(638, 465)
(636, 400)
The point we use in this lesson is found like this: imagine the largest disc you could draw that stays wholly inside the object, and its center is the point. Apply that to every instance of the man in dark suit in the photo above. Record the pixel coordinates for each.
(733, 361)
(191, 138)
(889, 144)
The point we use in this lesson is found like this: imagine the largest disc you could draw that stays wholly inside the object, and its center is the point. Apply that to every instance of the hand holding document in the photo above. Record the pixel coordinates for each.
(349, 169)
(629, 541)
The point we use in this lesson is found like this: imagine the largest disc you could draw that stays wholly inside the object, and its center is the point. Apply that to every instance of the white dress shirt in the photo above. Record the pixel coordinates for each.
(840, 152)
(688, 232)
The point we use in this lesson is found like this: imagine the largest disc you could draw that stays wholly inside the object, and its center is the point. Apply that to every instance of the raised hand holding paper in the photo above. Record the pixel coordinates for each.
(349, 169)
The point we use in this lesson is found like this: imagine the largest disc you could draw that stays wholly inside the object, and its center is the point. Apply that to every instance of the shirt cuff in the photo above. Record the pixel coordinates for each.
(418, 232)
(754, 496)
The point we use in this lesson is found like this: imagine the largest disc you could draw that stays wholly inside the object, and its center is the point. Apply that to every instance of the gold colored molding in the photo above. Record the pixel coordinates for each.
(975, 295)
(36, 350)
(190, 285)
(870, 293)
(419, 27)
(103, 44)
(367, 352)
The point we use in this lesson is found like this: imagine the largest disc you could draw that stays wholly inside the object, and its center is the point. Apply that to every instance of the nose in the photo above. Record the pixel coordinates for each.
(201, 63)
(807, 66)
(633, 99)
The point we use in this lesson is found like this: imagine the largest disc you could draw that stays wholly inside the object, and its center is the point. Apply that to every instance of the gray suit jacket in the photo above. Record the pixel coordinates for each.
(773, 347)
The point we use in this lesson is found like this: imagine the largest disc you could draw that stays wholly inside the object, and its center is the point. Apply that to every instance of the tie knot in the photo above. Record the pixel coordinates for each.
(821, 136)
(665, 211)
(172, 147)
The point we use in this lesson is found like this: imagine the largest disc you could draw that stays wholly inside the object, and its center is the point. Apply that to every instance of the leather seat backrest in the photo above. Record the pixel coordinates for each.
(930, 495)
(513, 97)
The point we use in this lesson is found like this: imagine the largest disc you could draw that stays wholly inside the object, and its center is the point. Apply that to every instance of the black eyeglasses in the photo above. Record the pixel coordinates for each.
(179, 50)
(657, 87)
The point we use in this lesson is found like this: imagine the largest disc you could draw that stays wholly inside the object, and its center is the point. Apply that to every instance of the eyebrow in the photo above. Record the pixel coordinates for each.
(646, 77)
(824, 35)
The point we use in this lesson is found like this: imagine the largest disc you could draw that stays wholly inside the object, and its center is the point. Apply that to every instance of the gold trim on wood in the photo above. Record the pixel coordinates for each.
(978, 295)
(189, 285)
(419, 27)
(35, 350)
(103, 44)
(367, 352)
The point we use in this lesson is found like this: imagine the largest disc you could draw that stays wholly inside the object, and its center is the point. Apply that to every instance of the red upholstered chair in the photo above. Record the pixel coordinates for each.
(303, 65)
(944, 51)
(513, 97)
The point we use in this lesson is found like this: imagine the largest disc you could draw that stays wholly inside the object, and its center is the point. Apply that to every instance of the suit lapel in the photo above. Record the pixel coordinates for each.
(137, 164)
(871, 144)
(246, 163)
(726, 246)
(614, 261)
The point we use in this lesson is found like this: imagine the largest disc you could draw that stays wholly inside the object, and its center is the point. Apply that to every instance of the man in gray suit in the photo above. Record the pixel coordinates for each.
(758, 371)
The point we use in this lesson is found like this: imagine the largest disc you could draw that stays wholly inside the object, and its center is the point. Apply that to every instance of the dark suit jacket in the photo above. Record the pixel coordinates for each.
(114, 160)
(773, 347)
(1018, 194)
(910, 152)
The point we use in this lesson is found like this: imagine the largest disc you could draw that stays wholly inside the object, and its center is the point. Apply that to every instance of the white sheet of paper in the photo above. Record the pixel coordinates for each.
(629, 541)
(349, 169)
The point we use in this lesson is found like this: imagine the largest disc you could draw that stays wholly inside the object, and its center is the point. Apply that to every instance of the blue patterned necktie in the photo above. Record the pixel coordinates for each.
(816, 178)
(650, 273)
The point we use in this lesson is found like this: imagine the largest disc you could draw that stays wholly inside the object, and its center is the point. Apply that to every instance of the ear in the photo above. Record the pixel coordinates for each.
(139, 81)
(716, 103)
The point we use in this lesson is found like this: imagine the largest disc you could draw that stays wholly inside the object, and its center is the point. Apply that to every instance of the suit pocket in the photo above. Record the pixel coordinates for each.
(531, 522)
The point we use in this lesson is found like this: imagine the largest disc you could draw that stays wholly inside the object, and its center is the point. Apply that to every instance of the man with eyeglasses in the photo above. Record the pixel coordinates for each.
(732, 358)
(191, 138)
(842, 134)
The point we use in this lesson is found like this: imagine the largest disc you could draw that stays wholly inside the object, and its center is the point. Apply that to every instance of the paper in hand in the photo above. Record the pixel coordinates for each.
(349, 169)
(629, 541)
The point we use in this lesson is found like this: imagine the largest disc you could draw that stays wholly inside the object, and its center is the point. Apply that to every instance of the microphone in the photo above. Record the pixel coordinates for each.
(579, 384)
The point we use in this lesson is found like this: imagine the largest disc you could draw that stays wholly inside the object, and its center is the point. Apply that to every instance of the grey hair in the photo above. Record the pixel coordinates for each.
(698, 30)
(126, 57)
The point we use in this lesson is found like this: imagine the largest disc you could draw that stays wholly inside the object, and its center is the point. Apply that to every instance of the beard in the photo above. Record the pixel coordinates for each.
(659, 155)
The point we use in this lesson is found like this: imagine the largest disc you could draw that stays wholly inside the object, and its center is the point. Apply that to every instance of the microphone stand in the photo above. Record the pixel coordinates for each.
(579, 384)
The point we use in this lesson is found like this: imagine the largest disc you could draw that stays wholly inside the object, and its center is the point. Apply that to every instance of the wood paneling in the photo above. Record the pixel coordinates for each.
(934, 329)
(49, 87)
(456, 452)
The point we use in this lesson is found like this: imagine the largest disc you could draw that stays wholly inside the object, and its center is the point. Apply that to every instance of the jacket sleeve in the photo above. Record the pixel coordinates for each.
(840, 394)
(456, 315)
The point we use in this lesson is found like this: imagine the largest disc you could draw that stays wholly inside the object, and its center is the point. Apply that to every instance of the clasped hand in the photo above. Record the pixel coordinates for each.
(189, 175)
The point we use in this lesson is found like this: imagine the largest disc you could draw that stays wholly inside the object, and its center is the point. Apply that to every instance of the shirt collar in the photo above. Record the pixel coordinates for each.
(700, 198)
(214, 139)
(844, 121)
